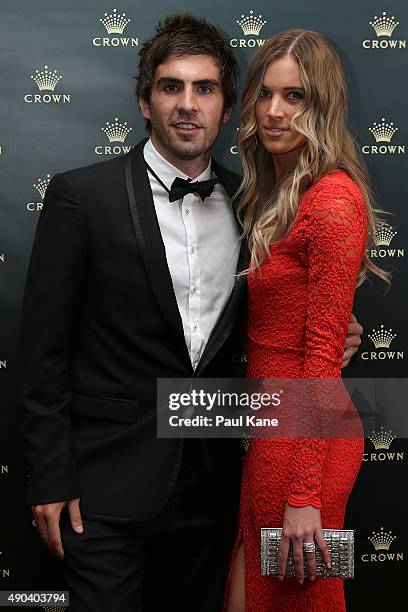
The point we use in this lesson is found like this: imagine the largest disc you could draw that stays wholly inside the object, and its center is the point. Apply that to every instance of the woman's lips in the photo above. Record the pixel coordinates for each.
(275, 132)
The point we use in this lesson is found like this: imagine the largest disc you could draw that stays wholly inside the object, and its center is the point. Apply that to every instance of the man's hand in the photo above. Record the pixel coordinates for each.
(47, 519)
(353, 340)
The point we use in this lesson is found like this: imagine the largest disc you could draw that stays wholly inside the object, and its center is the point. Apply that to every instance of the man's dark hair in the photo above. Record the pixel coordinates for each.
(184, 34)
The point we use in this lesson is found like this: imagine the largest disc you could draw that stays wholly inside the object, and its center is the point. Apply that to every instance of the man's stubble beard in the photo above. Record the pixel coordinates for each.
(188, 150)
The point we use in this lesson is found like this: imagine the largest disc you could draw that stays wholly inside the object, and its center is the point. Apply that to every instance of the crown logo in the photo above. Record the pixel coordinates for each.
(384, 234)
(42, 184)
(382, 439)
(115, 23)
(46, 79)
(382, 338)
(384, 26)
(383, 132)
(251, 24)
(116, 132)
(382, 540)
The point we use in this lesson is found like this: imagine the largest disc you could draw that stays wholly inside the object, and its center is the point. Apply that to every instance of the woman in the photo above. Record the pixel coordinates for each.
(306, 210)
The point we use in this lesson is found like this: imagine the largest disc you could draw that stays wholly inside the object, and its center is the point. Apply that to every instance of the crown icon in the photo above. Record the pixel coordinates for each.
(384, 26)
(115, 23)
(382, 439)
(382, 540)
(46, 79)
(383, 132)
(42, 184)
(384, 234)
(382, 338)
(251, 24)
(116, 132)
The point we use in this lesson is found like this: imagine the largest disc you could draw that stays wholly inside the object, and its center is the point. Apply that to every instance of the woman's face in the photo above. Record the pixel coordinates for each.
(281, 96)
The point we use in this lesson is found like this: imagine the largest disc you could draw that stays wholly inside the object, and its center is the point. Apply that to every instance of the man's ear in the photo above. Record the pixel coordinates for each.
(145, 108)
(227, 115)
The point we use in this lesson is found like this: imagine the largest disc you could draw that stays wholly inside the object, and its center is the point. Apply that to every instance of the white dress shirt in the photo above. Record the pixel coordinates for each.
(202, 248)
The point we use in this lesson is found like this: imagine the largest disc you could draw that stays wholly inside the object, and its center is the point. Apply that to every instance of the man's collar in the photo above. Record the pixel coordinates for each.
(165, 170)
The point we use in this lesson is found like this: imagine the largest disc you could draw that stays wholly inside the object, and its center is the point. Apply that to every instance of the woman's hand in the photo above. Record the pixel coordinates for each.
(353, 340)
(301, 525)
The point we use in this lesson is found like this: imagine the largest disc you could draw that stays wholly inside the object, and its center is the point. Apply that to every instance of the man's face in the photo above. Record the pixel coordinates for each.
(186, 106)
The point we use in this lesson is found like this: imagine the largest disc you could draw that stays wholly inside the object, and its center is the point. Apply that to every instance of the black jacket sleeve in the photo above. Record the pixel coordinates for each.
(52, 301)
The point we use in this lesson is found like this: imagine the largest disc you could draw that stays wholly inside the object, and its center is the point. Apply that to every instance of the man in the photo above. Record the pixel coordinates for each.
(133, 278)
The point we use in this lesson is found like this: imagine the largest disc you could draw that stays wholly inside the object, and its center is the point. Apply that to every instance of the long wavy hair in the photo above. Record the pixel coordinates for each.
(268, 207)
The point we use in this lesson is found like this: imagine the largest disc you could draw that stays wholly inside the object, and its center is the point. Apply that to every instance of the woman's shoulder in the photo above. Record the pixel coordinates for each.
(336, 183)
(334, 191)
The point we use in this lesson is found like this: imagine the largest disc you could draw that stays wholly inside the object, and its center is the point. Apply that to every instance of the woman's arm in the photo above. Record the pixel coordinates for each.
(336, 235)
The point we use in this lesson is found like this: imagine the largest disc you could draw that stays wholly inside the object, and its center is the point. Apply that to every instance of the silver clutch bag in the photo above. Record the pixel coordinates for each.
(340, 543)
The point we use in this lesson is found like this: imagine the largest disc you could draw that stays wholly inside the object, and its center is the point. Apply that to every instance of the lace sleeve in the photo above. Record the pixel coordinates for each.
(336, 235)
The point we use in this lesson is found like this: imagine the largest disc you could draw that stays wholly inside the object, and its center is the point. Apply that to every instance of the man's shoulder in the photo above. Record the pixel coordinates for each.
(99, 171)
(228, 175)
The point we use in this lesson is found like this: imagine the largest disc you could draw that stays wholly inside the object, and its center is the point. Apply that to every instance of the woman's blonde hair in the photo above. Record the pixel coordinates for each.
(268, 207)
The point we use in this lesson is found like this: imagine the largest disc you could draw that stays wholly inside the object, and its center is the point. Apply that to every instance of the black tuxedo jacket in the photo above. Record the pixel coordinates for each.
(100, 325)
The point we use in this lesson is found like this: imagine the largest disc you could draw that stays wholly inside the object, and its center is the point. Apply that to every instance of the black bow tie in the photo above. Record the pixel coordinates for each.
(182, 187)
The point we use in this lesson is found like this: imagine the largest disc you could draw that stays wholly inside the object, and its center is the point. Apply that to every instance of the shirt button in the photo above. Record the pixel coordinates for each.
(187, 211)
(192, 250)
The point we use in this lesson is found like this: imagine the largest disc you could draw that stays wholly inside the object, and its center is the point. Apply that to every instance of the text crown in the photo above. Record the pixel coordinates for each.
(251, 24)
(384, 26)
(383, 132)
(116, 132)
(384, 234)
(42, 184)
(382, 540)
(382, 338)
(382, 439)
(115, 23)
(46, 79)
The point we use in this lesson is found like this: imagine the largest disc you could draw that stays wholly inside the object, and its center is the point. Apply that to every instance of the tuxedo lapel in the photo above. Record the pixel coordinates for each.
(148, 236)
(231, 183)
(228, 317)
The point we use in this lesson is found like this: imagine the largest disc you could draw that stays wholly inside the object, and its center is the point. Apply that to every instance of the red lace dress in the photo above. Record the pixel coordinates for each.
(299, 306)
